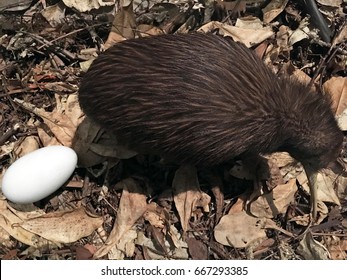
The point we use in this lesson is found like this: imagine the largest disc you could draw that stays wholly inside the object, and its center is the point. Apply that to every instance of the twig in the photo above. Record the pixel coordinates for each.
(8, 134)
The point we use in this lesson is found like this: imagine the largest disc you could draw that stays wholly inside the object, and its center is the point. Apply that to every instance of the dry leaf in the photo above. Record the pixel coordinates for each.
(153, 217)
(132, 205)
(336, 87)
(63, 227)
(176, 238)
(273, 9)
(342, 120)
(149, 247)
(93, 145)
(341, 183)
(335, 247)
(125, 247)
(325, 186)
(179, 251)
(63, 120)
(11, 5)
(10, 221)
(249, 37)
(54, 14)
(249, 23)
(123, 26)
(275, 202)
(46, 139)
(86, 6)
(187, 194)
(301, 76)
(29, 144)
(281, 159)
(341, 36)
(331, 3)
(145, 30)
(239, 230)
(311, 249)
(305, 220)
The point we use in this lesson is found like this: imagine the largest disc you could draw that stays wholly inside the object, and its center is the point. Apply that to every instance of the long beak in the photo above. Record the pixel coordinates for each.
(312, 182)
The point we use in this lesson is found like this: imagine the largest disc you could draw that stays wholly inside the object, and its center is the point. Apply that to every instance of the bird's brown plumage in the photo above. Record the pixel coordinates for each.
(203, 99)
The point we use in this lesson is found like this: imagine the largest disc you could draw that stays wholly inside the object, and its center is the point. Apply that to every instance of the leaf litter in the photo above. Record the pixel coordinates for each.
(136, 206)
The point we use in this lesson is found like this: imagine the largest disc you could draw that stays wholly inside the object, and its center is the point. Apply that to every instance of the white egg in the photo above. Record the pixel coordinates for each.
(38, 174)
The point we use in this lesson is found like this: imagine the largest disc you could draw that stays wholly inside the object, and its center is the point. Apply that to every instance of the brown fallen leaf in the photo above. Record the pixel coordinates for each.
(29, 144)
(273, 9)
(238, 229)
(336, 87)
(341, 183)
(187, 194)
(175, 247)
(62, 121)
(275, 202)
(132, 206)
(249, 37)
(125, 247)
(124, 24)
(336, 247)
(325, 186)
(93, 145)
(155, 216)
(10, 220)
(63, 227)
(305, 220)
(281, 159)
(86, 6)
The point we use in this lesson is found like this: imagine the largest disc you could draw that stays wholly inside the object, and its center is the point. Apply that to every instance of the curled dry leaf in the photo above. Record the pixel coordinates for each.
(10, 222)
(275, 202)
(63, 227)
(187, 194)
(132, 206)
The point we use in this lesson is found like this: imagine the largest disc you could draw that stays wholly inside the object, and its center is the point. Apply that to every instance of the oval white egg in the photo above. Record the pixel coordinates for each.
(38, 174)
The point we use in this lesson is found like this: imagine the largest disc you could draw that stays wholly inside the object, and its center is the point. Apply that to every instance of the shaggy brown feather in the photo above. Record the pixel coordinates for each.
(204, 99)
